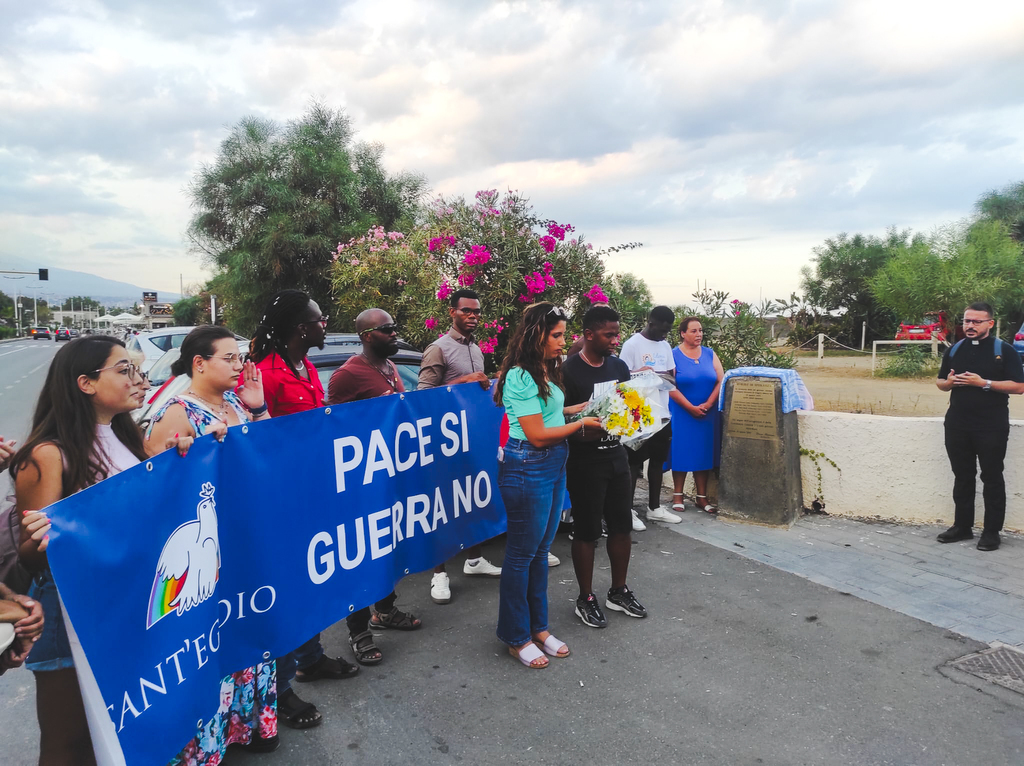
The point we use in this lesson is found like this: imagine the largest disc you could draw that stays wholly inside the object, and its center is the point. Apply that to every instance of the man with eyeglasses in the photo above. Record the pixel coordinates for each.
(980, 372)
(452, 359)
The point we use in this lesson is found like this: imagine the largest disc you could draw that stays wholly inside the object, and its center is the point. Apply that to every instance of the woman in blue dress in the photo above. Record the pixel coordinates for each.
(694, 407)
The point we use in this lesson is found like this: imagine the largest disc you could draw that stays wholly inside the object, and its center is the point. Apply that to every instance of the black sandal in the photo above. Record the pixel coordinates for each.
(296, 713)
(258, 744)
(327, 668)
(395, 620)
(364, 649)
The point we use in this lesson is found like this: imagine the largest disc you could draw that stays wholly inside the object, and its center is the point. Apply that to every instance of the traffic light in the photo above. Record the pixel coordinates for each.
(44, 275)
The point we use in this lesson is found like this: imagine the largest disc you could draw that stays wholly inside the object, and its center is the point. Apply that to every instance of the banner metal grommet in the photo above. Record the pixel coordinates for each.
(149, 465)
(266, 655)
(351, 607)
(327, 411)
(245, 429)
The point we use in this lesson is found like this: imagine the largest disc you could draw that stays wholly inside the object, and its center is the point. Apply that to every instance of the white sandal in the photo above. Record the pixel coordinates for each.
(678, 506)
(706, 507)
(552, 646)
(528, 655)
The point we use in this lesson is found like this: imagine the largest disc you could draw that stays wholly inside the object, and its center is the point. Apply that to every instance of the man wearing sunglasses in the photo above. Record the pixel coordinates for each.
(366, 375)
(980, 372)
(452, 359)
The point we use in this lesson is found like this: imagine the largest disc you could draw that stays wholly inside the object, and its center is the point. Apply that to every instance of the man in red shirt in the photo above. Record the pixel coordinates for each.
(292, 324)
(366, 375)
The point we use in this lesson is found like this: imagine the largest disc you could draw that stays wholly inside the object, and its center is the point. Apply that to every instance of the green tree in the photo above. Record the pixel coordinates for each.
(80, 303)
(840, 279)
(6, 306)
(186, 311)
(1005, 205)
(496, 245)
(959, 264)
(271, 208)
(631, 297)
(737, 331)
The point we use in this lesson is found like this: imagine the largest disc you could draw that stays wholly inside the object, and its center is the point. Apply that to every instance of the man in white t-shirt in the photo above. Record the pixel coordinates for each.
(648, 350)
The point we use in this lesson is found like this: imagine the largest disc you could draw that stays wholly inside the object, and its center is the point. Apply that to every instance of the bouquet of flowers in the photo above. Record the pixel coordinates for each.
(627, 410)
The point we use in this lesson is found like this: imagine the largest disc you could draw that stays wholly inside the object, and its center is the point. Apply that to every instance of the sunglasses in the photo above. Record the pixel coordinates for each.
(388, 329)
(322, 321)
(558, 311)
(473, 312)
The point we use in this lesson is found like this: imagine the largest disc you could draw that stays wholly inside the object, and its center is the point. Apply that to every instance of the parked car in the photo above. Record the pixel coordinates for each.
(338, 349)
(155, 343)
(39, 333)
(63, 333)
(1018, 342)
(73, 331)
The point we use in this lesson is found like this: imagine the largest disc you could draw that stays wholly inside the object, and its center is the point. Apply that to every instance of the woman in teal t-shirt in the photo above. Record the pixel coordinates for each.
(532, 479)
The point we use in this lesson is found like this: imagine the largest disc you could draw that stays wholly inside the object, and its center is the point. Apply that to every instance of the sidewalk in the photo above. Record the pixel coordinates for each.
(901, 567)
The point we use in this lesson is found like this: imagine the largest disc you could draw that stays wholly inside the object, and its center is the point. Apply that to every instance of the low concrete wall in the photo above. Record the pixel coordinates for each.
(895, 468)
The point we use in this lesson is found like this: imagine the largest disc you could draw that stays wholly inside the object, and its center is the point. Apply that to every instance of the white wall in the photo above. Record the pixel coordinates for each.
(896, 468)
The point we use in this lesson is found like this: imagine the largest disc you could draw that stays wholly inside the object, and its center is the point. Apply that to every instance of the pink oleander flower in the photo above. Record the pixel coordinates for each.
(523, 299)
(548, 243)
(439, 243)
(596, 295)
(548, 267)
(403, 281)
(430, 323)
(467, 278)
(444, 291)
(478, 255)
(354, 262)
(489, 345)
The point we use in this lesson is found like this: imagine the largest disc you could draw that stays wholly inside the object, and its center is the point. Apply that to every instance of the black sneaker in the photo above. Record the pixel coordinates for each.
(623, 600)
(588, 610)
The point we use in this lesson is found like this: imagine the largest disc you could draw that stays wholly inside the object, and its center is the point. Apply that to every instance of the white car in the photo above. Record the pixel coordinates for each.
(154, 344)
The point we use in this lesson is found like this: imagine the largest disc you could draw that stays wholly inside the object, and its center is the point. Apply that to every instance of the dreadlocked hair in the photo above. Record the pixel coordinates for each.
(280, 317)
(526, 349)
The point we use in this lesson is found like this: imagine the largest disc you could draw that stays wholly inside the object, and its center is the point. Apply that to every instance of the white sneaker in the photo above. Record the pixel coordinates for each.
(481, 567)
(661, 513)
(440, 588)
(638, 526)
(553, 560)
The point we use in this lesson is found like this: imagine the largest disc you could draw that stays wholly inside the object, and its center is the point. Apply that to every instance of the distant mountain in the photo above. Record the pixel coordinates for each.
(64, 283)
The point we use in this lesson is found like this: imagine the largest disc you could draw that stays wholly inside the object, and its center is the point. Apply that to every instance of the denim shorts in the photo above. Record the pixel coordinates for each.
(53, 649)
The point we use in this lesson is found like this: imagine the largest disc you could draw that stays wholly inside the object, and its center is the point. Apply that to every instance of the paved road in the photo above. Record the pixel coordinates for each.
(23, 366)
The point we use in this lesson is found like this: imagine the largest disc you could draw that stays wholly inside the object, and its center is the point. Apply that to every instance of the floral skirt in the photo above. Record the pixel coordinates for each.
(248, 703)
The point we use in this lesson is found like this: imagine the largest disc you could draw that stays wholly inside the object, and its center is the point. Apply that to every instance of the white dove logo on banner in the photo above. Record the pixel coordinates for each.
(189, 565)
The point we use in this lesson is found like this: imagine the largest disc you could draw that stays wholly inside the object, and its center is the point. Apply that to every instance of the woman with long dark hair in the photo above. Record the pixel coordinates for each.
(81, 434)
(532, 479)
(211, 359)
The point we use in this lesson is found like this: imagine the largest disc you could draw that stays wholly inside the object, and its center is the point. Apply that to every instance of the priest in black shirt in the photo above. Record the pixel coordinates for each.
(981, 371)
(597, 473)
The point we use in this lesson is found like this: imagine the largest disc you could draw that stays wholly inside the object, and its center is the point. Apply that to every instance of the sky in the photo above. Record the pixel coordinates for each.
(730, 137)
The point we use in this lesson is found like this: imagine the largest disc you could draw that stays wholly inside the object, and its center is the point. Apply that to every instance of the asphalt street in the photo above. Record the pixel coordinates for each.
(738, 663)
(23, 366)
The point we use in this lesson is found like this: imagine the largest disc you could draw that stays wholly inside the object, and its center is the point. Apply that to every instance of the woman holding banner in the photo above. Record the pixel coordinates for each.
(81, 434)
(532, 479)
(210, 357)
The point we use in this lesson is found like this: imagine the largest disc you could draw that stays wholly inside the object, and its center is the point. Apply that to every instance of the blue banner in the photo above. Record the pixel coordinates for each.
(180, 571)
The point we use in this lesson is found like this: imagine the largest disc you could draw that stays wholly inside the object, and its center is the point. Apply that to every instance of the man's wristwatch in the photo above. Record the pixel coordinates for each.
(988, 386)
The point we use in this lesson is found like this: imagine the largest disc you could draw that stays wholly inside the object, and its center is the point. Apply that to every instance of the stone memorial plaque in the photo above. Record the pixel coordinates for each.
(752, 411)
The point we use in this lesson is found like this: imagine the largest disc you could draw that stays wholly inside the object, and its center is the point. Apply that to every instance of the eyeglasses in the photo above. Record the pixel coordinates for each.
(123, 368)
(468, 312)
(231, 359)
(977, 321)
(387, 329)
(322, 321)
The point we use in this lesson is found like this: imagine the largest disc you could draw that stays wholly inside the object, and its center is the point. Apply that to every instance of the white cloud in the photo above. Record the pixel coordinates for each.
(730, 136)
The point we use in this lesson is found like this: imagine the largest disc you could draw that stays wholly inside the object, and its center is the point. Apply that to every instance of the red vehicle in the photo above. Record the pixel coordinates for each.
(939, 326)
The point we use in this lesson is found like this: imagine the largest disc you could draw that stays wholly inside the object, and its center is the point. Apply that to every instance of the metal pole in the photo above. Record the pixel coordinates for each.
(821, 345)
(863, 334)
(213, 309)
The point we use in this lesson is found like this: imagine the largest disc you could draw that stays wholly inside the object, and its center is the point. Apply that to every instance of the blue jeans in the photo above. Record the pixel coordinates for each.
(297, 659)
(53, 649)
(532, 484)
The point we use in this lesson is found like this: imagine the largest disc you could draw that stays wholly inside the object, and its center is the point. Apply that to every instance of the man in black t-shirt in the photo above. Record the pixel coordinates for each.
(981, 372)
(597, 473)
